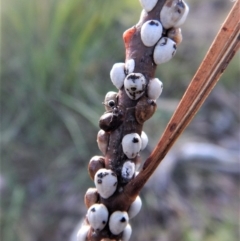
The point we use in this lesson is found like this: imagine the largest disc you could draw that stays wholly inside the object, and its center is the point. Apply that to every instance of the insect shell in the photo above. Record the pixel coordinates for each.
(110, 100)
(131, 144)
(148, 5)
(134, 85)
(96, 163)
(151, 32)
(91, 197)
(164, 50)
(117, 75)
(129, 66)
(173, 13)
(154, 89)
(106, 182)
(135, 207)
(97, 216)
(82, 233)
(175, 34)
(110, 121)
(185, 10)
(128, 170)
(102, 141)
(144, 139)
(144, 109)
(118, 222)
(127, 232)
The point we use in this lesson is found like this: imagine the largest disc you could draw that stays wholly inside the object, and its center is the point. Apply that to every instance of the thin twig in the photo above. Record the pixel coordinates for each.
(222, 50)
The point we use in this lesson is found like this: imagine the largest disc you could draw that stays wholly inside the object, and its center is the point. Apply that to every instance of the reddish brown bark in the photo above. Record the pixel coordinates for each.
(115, 157)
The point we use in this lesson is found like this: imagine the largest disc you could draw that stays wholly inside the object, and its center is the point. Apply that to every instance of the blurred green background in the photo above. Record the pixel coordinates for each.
(55, 61)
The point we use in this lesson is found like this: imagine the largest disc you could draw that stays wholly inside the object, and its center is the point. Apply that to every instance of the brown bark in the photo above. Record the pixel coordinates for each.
(115, 157)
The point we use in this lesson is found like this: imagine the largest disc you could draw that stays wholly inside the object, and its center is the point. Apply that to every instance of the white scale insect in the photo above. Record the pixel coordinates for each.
(164, 50)
(154, 88)
(106, 182)
(117, 74)
(135, 207)
(173, 13)
(118, 222)
(134, 85)
(129, 66)
(151, 32)
(131, 144)
(97, 216)
(148, 5)
(128, 170)
(144, 139)
(127, 232)
(82, 233)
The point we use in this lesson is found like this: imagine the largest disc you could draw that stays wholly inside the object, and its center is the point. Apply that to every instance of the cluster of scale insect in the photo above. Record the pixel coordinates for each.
(163, 34)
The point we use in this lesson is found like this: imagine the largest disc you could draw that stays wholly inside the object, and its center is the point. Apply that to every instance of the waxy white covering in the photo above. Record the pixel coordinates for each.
(135, 207)
(154, 89)
(82, 233)
(148, 5)
(144, 139)
(128, 170)
(134, 85)
(97, 216)
(174, 15)
(129, 66)
(106, 182)
(118, 222)
(164, 50)
(117, 74)
(131, 144)
(151, 32)
(127, 232)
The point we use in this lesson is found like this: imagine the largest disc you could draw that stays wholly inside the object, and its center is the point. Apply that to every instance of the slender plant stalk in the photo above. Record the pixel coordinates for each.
(222, 50)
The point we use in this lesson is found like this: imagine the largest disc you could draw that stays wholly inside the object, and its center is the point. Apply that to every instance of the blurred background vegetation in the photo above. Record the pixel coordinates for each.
(55, 61)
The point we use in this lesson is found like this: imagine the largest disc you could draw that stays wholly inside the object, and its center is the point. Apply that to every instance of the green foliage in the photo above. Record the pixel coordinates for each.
(49, 50)
(214, 232)
(13, 213)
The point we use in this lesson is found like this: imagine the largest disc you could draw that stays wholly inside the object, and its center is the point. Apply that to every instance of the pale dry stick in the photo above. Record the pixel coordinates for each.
(222, 50)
